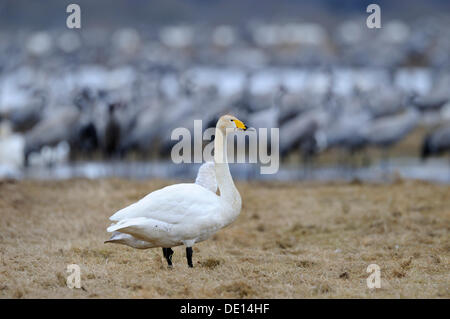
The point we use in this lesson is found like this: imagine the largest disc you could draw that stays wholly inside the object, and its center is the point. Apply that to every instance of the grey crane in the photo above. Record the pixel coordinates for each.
(144, 131)
(112, 132)
(300, 131)
(436, 142)
(385, 102)
(58, 126)
(348, 132)
(431, 102)
(25, 117)
(386, 131)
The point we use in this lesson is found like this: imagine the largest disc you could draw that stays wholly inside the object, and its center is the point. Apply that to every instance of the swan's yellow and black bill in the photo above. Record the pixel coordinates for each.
(240, 124)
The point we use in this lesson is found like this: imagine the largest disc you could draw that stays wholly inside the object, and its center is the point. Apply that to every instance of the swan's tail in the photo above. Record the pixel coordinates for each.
(141, 228)
(128, 240)
(116, 238)
(125, 223)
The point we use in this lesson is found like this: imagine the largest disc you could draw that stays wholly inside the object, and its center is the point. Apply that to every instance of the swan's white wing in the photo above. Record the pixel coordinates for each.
(206, 177)
(172, 215)
(142, 228)
(172, 204)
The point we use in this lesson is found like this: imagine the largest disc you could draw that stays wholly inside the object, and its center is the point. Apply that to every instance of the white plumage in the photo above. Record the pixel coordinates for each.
(206, 177)
(129, 240)
(183, 214)
(172, 216)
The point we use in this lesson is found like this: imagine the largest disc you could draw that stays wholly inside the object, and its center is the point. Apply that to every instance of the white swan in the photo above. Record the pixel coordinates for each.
(206, 177)
(185, 214)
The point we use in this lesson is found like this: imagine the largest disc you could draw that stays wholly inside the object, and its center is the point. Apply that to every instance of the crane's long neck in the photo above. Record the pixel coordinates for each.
(225, 182)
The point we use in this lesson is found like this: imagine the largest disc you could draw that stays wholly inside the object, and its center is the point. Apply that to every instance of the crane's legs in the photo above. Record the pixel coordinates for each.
(189, 256)
(167, 253)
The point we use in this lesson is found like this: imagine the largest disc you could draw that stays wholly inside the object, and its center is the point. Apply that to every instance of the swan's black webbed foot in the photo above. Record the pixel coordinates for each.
(167, 253)
(189, 256)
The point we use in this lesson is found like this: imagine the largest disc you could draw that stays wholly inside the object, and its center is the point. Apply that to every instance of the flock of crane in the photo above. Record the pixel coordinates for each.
(65, 96)
(308, 124)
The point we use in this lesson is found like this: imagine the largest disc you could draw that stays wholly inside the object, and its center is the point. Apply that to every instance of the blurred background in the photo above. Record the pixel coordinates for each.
(352, 103)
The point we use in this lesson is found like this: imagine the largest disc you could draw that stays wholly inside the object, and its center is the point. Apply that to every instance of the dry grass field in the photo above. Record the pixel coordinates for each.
(292, 240)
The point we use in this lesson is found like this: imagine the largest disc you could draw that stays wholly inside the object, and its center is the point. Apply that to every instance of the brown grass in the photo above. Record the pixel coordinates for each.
(291, 241)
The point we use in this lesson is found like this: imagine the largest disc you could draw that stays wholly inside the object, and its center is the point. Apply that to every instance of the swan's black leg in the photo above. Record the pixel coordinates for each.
(189, 256)
(169, 256)
(167, 253)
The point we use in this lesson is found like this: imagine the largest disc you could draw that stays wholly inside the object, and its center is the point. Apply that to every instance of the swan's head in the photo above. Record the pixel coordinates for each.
(230, 122)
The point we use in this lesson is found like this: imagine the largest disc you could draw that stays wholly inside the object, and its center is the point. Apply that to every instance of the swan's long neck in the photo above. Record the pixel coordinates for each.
(228, 190)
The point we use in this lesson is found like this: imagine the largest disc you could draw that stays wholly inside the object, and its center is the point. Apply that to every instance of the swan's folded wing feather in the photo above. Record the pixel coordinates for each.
(206, 177)
(141, 228)
(129, 240)
(171, 204)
